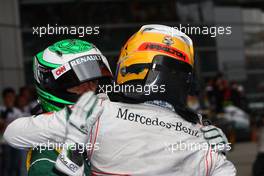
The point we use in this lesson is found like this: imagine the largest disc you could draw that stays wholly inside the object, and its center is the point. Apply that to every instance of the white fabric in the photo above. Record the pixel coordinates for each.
(11, 116)
(84, 111)
(132, 140)
(28, 132)
(81, 120)
(216, 138)
(127, 145)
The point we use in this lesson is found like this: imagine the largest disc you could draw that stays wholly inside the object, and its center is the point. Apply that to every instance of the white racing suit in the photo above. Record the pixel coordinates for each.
(131, 139)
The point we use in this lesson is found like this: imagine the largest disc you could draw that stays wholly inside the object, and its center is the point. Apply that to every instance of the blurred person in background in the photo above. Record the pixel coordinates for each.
(258, 166)
(226, 93)
(219, 93)
(22, 105)
(238, 97)
(215, 92)
(10, 156)
(8, 111)
(210, 93)
(25, 102)
(235, 94)
(27, 94)
(193, 103)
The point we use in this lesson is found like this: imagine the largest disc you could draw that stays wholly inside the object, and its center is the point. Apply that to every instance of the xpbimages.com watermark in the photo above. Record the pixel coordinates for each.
(81, 31)
(144, 89)
(212, 31)
(186, 146)
(81, 147)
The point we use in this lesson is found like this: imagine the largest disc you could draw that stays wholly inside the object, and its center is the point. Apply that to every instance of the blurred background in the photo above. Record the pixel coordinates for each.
(230, 67)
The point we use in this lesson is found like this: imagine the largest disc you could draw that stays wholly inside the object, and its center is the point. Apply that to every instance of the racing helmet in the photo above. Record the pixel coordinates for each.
(160, 60)
(63, 65)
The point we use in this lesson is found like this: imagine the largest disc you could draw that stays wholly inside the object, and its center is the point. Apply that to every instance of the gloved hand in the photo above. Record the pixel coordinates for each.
(81, 120)
(216, 138)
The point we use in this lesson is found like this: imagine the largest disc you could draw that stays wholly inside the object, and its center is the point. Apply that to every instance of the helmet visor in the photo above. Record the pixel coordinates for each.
(81, 69)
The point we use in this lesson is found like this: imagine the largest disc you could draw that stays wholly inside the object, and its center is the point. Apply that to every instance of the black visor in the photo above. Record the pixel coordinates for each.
(173, 75)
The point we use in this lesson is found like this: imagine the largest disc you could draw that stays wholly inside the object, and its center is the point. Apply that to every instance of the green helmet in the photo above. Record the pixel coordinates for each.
(63, 65)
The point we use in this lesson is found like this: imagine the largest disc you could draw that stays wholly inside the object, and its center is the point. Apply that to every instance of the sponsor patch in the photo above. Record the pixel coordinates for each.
(149, 46)
(147, 121)
(69, 164)
(57, 72)
(83, 59)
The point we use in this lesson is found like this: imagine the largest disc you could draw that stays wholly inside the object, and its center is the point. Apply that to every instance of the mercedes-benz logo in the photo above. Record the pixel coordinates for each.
(168, 40)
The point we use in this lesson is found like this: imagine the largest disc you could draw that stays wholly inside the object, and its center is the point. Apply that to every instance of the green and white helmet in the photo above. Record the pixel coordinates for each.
(63, 65)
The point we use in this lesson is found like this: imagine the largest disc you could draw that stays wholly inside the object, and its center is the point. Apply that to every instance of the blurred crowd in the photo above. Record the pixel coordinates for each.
(219, 93)
(223, 102)
(14, 106)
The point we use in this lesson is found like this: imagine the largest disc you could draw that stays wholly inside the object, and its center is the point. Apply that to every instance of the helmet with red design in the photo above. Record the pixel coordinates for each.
(160, 59)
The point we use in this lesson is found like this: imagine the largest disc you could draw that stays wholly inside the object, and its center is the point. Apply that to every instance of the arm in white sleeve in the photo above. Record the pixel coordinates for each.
(223, 167)
(28, 132)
